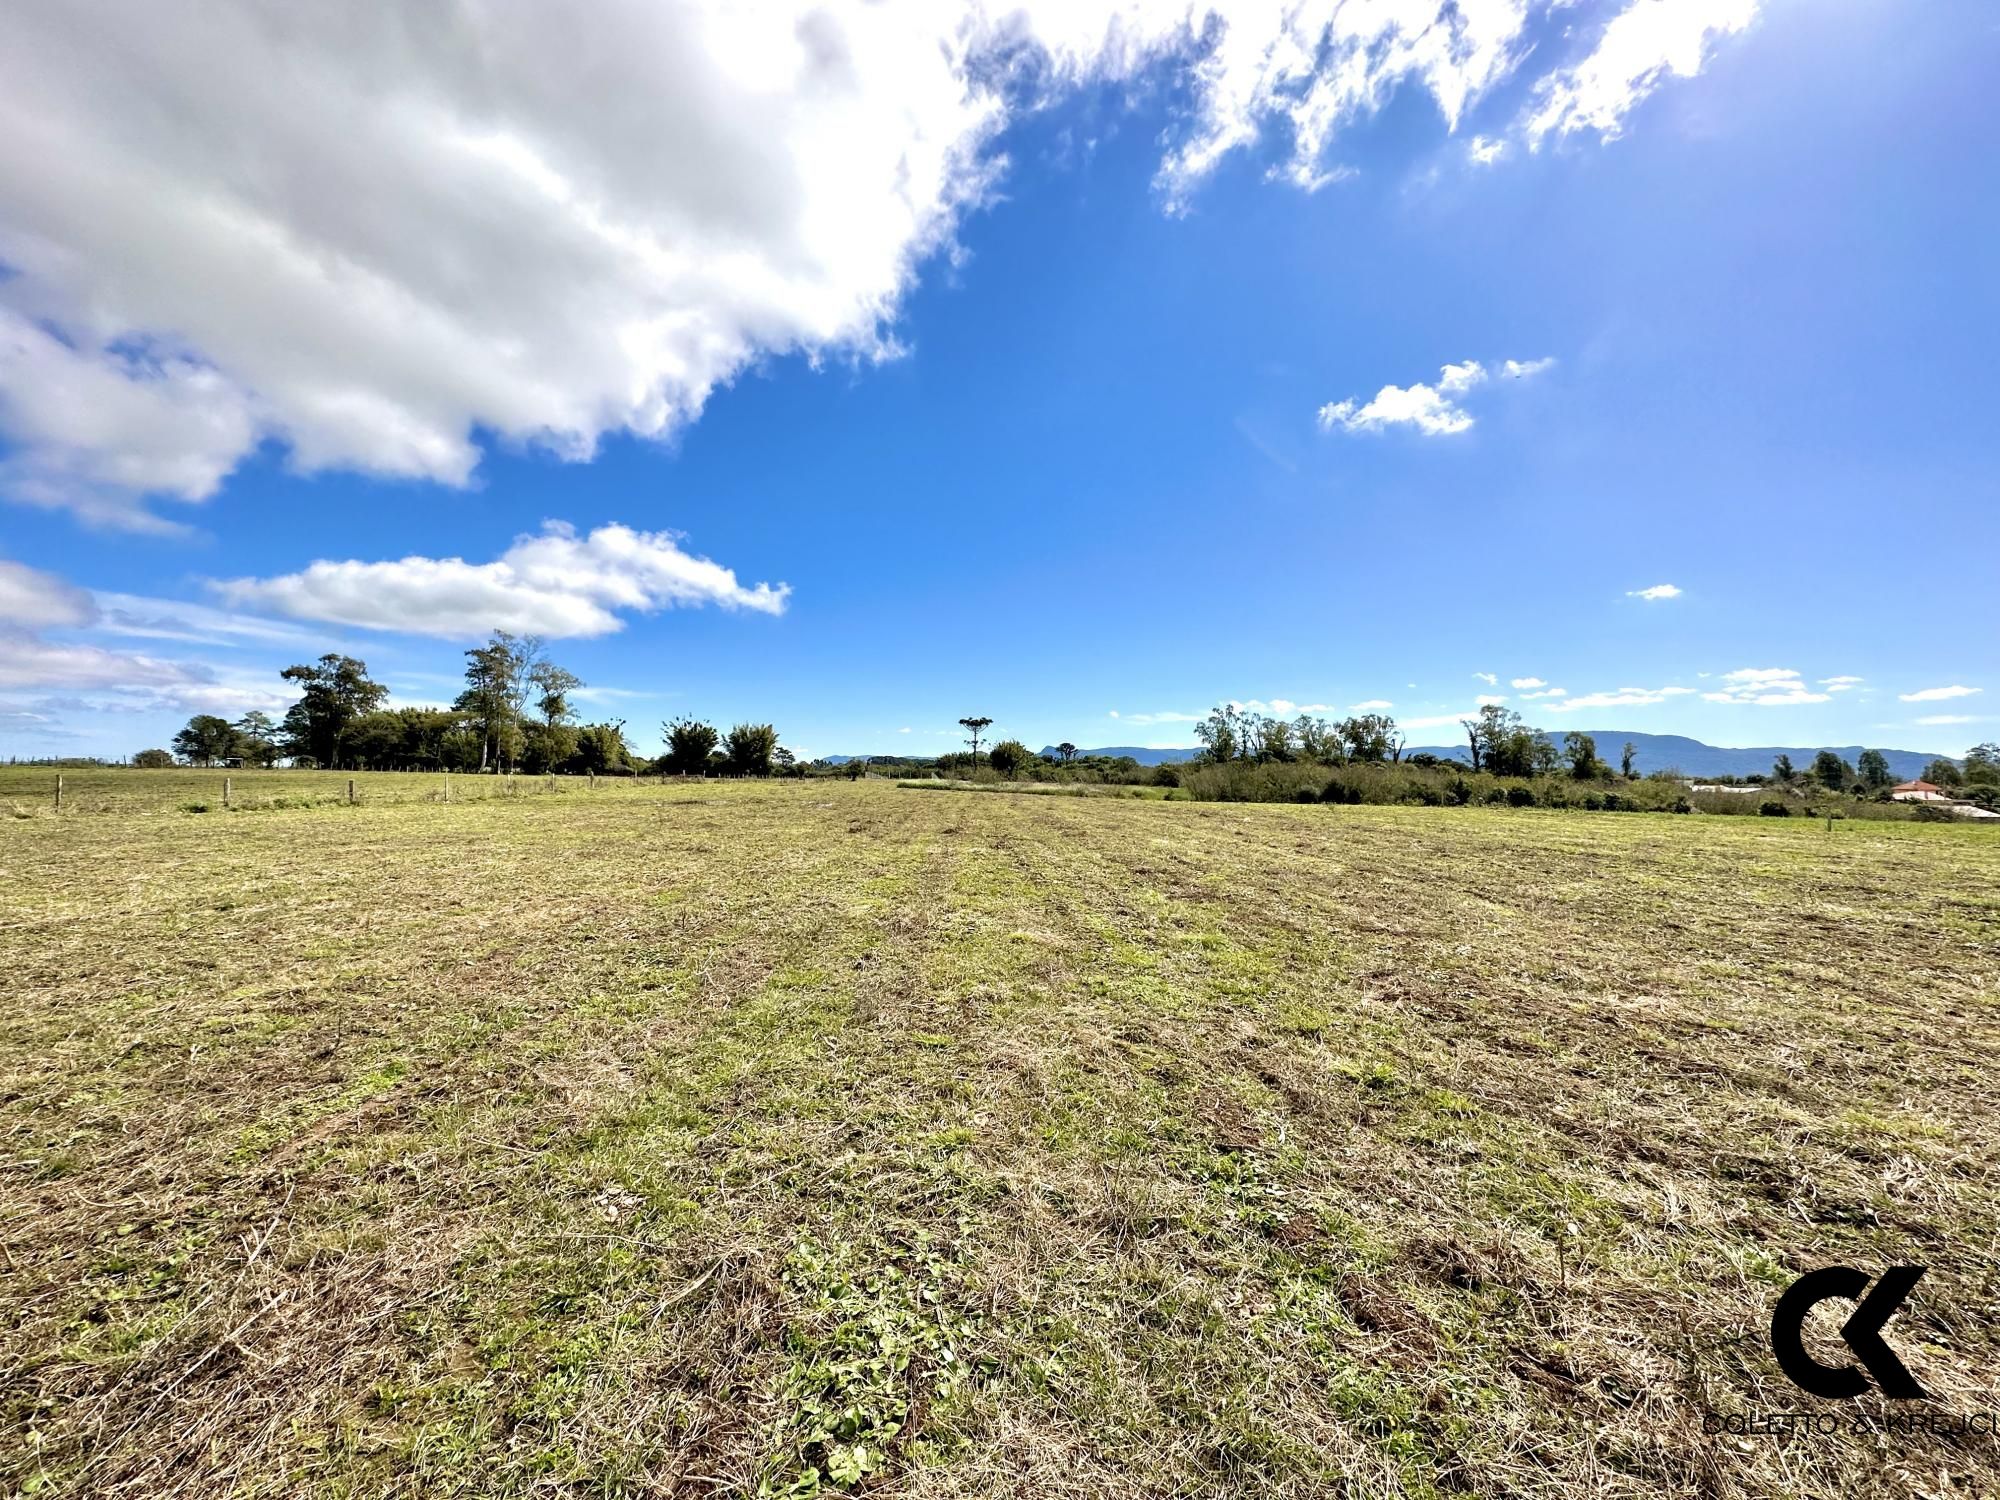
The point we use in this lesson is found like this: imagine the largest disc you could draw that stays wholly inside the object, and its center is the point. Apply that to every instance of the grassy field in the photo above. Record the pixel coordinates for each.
(685, 1140)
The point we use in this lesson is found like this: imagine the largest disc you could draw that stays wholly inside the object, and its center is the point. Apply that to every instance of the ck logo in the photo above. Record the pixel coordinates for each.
(1862, 1332)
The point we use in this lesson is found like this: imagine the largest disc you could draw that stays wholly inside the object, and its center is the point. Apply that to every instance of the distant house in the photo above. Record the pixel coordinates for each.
(1918, 791)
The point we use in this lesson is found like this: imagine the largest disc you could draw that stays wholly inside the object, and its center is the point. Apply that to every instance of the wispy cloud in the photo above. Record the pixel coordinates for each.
(1526, 682)
(1929, 719)
(1489, 678)
(1657, 591)
(1640, 46)
(1370, 706)
(1840, 684)
(1625, 697)
(1938, 694)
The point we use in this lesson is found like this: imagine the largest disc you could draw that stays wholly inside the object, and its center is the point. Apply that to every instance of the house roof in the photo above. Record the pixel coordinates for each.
(1916, 786)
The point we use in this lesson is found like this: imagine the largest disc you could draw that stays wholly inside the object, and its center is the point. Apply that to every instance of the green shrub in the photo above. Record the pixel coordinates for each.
(1520, 796)
(1773, 809)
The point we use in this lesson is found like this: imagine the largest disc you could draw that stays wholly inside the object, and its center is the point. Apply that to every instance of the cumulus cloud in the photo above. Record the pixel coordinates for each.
(363, 235)
(1484, 150)
(37, 600)
(1526, 682)
(1638, 48)
(1657, 591)
(1768, 687)
(553, 584)
(1937, 694)
(1432, 410)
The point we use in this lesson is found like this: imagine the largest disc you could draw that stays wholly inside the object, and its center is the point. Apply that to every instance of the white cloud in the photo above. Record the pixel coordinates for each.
(1657, 591)
(1937, 694)
(553, 584)
(1625, 697)
(364, 235)
(1489, 678)
(1454, 380)
(1431, 409)
(1484, 699)
(1840, 684)
(1165, 717)
(1768, 687)
(904, 730)
(37, 600)
(1370, 706)
(1933, 719)
(1639, 47)
(1526, 682)
(1484, 150)
(1418, 406)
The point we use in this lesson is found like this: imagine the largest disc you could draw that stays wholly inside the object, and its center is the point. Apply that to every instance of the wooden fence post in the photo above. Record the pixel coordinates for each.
(58, 791)
(225, 794)
(447, 784)
(350, 791)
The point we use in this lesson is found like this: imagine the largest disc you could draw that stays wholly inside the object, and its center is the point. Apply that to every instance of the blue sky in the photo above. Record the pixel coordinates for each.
(1121, 394)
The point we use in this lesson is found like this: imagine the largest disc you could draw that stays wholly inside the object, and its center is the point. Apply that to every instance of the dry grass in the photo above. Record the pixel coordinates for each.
(678, 1141)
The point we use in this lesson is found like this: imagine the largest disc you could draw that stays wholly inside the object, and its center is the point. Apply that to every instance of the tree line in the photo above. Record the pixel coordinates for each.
(515, 713)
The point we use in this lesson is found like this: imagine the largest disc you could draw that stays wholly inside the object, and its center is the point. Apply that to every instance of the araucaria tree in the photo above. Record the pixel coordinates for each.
(336, 692)
(974, 728)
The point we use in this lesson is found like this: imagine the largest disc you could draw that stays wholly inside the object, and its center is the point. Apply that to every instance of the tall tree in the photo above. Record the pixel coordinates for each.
(974, 727)
(1982, 764)
(1627, 759)
(1942, 772)
(1221, 733)
(1008, 757)
(751, 747)
(1783, 769)
(1580, 750)
(336, 690)
(1830, 771)
(257, 738)
(689, 745)
(1874, 769)
(1067, 751)
(496, 690)
(1369, 737)
(206, 740)
(601, 748)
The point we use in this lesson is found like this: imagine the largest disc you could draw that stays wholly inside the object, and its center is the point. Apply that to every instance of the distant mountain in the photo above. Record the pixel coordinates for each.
(1659, 752)
(1145, 755)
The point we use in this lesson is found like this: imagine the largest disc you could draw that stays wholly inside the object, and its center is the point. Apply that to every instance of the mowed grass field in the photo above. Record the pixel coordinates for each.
(732, 1139)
